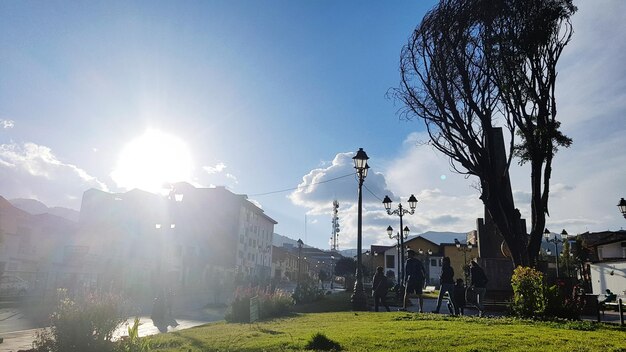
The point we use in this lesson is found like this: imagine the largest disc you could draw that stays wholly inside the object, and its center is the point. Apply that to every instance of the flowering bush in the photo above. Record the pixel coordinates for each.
(560, 304)
(83, 324)
(528, 293)
(271, 304)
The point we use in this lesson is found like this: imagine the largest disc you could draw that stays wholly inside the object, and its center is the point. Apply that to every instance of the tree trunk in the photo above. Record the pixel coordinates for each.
(538, 210)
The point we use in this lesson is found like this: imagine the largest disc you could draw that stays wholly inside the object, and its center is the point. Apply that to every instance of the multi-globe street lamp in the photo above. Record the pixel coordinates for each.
(465, 248)
(400, 212)
(622, 207)
(399, 238)
(556, 242)
(359, 301)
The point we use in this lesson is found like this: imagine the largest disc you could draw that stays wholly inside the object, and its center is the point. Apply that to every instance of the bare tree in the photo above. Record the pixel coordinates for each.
(447, 80)
(474, 65)
(526, 39)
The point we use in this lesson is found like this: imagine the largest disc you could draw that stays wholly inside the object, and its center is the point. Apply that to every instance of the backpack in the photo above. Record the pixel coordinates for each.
(480, 279)
(414, 269)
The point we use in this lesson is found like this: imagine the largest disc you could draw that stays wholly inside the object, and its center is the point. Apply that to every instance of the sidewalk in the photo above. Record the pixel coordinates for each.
(611, 317)
(23, 339)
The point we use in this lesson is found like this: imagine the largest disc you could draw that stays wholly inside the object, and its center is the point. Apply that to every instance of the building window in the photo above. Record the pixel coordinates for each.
(391, 261)
(433, 262)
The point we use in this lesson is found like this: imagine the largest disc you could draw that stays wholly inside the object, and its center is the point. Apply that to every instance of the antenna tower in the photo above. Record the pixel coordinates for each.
(335, 223)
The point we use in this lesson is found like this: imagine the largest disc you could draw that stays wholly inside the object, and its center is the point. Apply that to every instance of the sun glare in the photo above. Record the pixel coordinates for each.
(151, 161)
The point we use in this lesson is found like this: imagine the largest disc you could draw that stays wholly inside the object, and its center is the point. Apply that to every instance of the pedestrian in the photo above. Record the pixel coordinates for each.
(446, 285)
(413, 280)
(459, 297)
(609, 297)
(479, 283)
(380, 286)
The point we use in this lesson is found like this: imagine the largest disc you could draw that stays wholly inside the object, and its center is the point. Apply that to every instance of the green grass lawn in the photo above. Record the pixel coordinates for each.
(395, 331)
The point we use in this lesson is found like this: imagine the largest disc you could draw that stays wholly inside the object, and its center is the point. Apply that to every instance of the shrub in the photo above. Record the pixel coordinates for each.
(528, 293)
(307, 291)
(319, 342)
(560, 304)
(83, 324)
(132, 342)
(271, 304)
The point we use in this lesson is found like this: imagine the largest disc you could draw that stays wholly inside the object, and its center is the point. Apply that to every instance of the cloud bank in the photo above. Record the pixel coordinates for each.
(33, 171)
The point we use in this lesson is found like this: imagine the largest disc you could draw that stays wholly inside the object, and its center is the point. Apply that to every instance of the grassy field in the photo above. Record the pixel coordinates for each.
(396, 331)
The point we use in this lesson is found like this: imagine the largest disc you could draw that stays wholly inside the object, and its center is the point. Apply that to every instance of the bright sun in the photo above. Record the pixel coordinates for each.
(151, 161)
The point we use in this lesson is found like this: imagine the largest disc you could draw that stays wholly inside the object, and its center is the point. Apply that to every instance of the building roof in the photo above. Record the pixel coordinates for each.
(379, 249)
(595, 239)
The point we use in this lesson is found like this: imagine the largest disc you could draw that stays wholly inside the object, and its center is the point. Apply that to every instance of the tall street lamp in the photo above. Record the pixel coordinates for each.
(622, 207)
(556, 242)
(399, 239)
(359, 302)
(371, 255)
(300, 243)
(427, 255)
(401, 212)
(465, 248)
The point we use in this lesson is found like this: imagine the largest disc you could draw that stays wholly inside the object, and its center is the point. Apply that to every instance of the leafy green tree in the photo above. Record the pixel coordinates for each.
(345, 267)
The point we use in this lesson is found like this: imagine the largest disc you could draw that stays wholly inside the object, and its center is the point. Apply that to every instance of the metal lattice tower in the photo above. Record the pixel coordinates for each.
(335, 224)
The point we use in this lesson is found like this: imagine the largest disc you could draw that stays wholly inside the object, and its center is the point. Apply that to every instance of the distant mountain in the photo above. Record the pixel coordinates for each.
(443, 237)
(350, 253)
(36, 207)
(284, 241)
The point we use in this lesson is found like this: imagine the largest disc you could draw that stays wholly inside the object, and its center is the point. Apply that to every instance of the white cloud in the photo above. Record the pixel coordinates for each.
(232, 178)
(219, 167)
(33, 171)
(337, 180)
(7, 123)
(216, 175)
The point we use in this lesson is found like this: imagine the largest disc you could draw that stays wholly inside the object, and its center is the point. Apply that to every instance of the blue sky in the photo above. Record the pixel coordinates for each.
(267, 95)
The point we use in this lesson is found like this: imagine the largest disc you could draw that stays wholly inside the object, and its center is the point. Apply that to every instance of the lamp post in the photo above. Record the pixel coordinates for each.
(426, 254)
(401, 212)
(622, 207)
(465, 248)
(369, 259)
(359, 301)
(399, 239)
(300, 243)
(556, 242)
(371, 255)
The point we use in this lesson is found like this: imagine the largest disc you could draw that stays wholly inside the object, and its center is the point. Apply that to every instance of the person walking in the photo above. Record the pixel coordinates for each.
(413, 280)
(446, 285)
(479, 283)
(380, 285)
(459, 297)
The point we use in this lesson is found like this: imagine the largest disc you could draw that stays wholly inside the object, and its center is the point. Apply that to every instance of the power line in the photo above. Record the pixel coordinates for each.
(372, 193)
(298, 187)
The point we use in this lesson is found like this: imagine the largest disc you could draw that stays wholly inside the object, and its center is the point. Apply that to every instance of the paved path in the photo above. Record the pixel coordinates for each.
(23, 339)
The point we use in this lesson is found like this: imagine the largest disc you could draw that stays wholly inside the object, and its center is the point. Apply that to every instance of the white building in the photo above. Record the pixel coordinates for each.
(193, 239)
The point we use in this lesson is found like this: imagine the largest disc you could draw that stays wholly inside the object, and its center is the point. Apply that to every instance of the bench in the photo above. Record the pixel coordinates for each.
(429, 289)
(619, 305)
